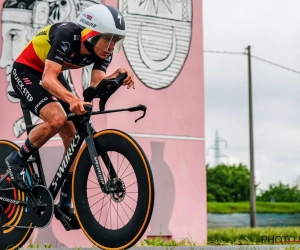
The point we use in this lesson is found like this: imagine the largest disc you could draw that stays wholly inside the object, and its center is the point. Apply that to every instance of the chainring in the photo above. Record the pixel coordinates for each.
(41, 217)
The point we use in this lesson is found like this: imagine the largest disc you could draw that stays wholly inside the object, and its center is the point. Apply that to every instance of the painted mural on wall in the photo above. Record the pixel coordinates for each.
(156, 49)
(21, 19)
(158, 38)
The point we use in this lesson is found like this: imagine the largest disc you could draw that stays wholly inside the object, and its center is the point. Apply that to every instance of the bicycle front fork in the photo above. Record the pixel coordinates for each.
(96, 163)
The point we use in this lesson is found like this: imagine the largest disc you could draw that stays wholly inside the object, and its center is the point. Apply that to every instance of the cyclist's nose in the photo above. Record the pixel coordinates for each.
(111, 45)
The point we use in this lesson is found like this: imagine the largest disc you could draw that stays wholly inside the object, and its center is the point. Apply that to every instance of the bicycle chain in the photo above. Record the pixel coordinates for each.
(3, 189)
(32, 227)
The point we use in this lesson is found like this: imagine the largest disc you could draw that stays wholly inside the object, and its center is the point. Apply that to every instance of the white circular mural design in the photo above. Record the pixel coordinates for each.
(158, 38)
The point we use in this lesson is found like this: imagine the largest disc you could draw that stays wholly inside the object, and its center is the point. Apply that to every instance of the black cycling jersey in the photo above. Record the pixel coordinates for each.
(60, 43)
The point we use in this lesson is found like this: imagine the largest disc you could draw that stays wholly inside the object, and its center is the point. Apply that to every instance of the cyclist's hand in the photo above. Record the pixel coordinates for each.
(129, 79)
(76, 106)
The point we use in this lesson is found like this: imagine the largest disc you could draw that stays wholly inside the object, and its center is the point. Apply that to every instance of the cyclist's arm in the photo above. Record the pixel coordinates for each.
(97, 77)
(53, 85)
(60, 45)
(99, 70)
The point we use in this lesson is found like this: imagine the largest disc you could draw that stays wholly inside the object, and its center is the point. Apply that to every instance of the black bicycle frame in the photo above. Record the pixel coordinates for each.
(83, 132)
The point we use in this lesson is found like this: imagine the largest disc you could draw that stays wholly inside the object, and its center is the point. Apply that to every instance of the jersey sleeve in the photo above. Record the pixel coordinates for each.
(102, 64)
(60, 45)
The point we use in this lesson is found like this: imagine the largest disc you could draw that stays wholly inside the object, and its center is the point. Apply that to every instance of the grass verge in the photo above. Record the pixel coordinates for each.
(229, 236)
(261, 207)
(254, 236)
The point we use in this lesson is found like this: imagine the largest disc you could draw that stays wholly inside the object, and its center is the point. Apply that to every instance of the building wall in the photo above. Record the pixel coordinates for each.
(164, 48)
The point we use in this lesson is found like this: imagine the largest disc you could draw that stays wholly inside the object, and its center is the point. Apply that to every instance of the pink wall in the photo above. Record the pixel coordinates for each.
(171, 134)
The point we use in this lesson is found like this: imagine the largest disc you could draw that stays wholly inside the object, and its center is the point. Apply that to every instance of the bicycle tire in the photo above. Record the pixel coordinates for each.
(10, 237)
(111, 140)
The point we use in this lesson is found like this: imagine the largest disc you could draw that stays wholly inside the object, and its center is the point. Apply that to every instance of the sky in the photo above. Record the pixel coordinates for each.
(272, 29)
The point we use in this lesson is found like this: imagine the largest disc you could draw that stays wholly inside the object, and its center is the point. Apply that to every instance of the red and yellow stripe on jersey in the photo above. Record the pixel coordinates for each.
(35, 52)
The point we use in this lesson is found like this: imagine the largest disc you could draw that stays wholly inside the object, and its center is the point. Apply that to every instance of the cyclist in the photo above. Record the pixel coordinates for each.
(38, 81)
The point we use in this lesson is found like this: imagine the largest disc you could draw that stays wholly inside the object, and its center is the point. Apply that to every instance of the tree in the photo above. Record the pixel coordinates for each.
(228, 183)
(280, 193)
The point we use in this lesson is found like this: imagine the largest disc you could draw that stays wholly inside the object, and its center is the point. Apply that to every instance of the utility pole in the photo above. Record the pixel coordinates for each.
(252, 175)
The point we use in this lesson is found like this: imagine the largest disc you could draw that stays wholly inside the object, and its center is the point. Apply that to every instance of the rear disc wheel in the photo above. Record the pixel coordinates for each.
(14, 215)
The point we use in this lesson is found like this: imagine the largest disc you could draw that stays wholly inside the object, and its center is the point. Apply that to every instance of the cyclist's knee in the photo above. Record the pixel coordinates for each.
(68, 130)
(56, 123)
(53, 115)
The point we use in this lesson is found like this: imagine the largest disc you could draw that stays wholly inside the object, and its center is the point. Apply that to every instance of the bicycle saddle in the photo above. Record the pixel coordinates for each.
(13, 94)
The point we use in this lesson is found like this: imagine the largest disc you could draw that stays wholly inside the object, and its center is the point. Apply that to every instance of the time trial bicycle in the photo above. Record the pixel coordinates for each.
(112, 185)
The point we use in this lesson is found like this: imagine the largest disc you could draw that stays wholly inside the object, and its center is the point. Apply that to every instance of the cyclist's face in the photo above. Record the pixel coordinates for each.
(108, 44)
(105, 46)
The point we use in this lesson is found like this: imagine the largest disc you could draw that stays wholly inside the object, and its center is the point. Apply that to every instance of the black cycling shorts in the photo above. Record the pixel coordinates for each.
(27, 84)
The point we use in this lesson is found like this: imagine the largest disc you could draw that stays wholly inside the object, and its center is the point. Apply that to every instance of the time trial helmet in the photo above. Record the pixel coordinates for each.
(102, 25)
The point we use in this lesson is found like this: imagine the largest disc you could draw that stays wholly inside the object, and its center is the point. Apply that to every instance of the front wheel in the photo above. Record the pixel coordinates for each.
(116, 220)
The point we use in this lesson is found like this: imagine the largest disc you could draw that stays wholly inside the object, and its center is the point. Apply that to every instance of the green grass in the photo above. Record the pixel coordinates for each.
(261, 207)
(159, 241)
(228, 236)
(237, 236)
(251, 236)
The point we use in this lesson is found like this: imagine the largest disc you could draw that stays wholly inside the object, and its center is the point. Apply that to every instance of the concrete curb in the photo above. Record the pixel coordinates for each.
(244, 247)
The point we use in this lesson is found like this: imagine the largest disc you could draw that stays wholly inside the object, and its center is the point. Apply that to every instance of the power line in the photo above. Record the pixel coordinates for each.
(255, 57)
(275, 64)
(223, 52)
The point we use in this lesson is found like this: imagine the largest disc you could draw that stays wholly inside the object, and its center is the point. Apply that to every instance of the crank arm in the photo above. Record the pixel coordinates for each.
(4, 177)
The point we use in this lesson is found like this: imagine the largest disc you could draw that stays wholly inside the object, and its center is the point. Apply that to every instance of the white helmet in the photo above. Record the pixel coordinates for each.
(102, 21)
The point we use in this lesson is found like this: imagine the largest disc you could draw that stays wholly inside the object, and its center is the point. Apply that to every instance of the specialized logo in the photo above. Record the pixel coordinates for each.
(40, 103)
(96, 161)
(161, 30)
(23, 175)
(120, 18)
(66, 160)
(21, 87)
(65, 46)
(93, 25)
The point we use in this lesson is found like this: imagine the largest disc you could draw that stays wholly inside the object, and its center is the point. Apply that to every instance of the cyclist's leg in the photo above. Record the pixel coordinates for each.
(68, 130)
(26, 83)
(67, 133)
